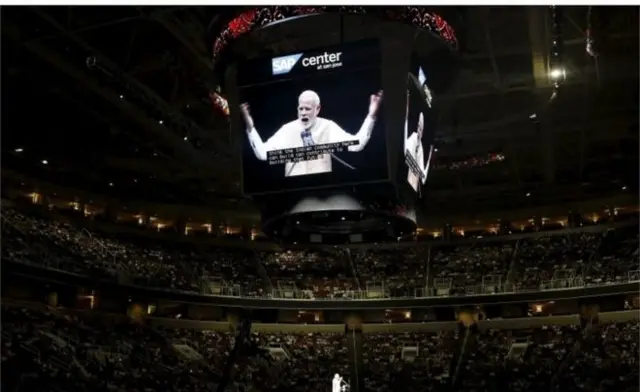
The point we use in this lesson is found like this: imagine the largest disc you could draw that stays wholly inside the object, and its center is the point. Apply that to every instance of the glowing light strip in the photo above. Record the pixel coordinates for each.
(256, 18)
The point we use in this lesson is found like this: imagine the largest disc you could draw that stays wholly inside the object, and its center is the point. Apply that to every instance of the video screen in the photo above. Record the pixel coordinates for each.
(313, 119)
(418, 131)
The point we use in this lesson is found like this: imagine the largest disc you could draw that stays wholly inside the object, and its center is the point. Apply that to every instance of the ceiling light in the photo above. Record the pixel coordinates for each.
(18, 150)
(557, 73)
(45, 162)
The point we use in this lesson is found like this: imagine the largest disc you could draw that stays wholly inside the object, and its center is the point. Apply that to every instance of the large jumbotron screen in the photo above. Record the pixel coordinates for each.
(418, 131)
(313, 119)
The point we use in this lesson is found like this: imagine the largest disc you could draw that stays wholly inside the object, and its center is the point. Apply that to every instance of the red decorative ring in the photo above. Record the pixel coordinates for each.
(256, 18)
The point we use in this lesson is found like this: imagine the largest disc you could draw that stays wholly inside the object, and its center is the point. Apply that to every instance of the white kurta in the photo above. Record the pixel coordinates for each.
(323, 132)
(335, 385)
(413, 146)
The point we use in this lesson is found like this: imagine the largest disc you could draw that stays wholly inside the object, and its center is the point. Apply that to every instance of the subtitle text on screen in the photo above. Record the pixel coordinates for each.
(308, 153)
(413, 165)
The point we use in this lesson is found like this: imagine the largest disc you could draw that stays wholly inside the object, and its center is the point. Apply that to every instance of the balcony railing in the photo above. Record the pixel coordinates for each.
(551, 285)
(442, 288)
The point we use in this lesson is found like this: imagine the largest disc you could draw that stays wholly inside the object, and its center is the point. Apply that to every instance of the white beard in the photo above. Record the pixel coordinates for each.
(308, 125)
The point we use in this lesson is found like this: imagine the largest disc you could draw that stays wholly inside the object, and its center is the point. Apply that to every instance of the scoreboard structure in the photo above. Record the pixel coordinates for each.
(337, 140)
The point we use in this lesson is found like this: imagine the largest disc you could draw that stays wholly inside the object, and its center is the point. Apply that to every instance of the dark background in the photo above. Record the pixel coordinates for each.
(345, 96)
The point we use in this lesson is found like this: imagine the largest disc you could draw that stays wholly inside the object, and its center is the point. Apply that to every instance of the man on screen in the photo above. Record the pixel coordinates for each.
(307, 130)
(413, 151)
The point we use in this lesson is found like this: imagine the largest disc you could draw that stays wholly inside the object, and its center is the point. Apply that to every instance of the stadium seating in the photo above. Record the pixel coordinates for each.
(57, 350)
(543, 261)
(50, 350)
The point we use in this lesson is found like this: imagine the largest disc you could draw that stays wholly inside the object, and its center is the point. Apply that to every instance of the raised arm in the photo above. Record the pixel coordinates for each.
(406, 124)
(364, 134)
(259, 147)
(425, 170)
(406, 135)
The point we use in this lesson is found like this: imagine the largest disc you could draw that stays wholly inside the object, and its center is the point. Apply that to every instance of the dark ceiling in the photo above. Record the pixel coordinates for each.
(116, 100)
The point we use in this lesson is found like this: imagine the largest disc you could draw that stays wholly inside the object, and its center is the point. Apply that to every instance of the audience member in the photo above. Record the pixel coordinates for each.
(535, 263)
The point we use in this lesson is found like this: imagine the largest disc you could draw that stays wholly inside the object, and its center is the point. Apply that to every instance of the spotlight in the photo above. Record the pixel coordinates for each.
(557, 74)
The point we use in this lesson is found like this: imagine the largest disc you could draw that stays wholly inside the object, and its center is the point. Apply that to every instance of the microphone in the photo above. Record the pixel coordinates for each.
(307, 141)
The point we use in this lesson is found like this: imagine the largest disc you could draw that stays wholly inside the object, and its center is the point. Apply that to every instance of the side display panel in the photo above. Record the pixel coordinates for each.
(313, 119)
(418, 132)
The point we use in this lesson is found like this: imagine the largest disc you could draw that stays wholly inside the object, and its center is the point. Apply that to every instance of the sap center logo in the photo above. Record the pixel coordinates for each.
(284, 64)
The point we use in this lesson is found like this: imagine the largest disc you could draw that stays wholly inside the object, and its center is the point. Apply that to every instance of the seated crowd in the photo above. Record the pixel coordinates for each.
(544, 261)
(47, 351)
(390, 359)
(310, 361)
(564, 358)
(54, 350)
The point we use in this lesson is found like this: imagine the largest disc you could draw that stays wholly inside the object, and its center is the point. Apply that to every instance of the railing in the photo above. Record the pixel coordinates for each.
(375, 289)
(562, 284)
(559, 284)
(443, 288)
(216, 286)
(564, 274)
(491, 284)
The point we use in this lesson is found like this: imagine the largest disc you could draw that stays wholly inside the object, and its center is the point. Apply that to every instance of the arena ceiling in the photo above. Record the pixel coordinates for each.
(116, 100)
